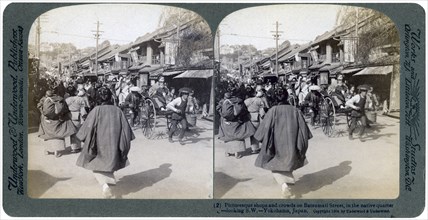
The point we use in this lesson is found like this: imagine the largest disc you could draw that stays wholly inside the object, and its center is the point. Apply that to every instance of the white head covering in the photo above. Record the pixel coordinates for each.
(134, 89)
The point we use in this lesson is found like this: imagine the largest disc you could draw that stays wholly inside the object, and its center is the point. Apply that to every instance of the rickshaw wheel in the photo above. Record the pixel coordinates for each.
(168, 123)
(357, 128)
(328, 116)
(148, 118)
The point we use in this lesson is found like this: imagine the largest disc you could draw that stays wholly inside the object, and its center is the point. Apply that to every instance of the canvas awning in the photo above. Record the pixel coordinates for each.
(351, 70)
(267, 73)
(156, 73)
(202, 74)
(171, 73)
(376, 70)
(333, 69)
(149, 69)
(137, 67)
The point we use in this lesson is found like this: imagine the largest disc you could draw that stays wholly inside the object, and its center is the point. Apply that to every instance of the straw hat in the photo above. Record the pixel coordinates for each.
(314, 88)
(134, 89)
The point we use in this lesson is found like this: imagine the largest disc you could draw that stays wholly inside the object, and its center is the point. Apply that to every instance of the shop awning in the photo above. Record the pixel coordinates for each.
(376, 70)
(88, 73)
(137, 67)
(333, 69)
(171, 73)
(352, 70)
(202, 74)
(155, 74)
(150, 69)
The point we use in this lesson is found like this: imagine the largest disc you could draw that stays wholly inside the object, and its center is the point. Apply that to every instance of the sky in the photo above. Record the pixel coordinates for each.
(121, 23)
(298, 23)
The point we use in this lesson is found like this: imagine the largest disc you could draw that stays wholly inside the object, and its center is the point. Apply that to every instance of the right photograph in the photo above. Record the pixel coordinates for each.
(307, 104)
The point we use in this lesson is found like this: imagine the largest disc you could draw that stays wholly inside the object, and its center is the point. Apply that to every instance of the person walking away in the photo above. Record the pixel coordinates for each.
(191, 109)
(259, 88)
(313, 100)
(284, 136)
(357, 103)
(235, 124)
(107, 140)
(77, 106)
(371, 104)
(122, 99)
(255, 106)
(304, 90)
(178, 116)
(55, 123)
(133, 102)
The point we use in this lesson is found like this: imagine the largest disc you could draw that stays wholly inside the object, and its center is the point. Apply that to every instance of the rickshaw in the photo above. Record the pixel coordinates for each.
(151, 111)
(332, 111)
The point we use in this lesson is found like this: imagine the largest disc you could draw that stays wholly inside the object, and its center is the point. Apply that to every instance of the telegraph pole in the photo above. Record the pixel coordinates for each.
(37, 43)
(218, 44)
(97, 37)
(178, 35)
(276, 36)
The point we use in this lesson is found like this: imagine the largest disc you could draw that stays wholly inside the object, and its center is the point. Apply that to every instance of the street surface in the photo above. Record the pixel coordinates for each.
(338, 168)
(158, 169)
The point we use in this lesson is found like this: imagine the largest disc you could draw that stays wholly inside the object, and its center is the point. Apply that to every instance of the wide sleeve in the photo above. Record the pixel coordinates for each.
(87, 127)
(304, 134)
(126, 137)
(265, 126)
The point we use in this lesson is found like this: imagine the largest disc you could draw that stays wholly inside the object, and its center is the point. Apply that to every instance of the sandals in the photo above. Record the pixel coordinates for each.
(237, 155)
(57, 154)
(286, 193)
(75, 151)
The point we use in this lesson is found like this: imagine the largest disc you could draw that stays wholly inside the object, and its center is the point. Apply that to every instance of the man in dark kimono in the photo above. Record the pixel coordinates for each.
(357, 103)
(133, 101)
(107, 136)
(178, 108)
(284, 136)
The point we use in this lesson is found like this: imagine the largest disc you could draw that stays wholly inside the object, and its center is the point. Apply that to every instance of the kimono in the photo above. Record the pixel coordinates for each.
(57, 127)
(107, 136)
(284, 135)
(235, 121)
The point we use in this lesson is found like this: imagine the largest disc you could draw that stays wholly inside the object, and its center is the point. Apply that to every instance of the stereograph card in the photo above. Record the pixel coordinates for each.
(147, 109)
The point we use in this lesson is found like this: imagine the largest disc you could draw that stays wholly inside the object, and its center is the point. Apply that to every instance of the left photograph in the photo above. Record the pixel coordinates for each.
(120, 103)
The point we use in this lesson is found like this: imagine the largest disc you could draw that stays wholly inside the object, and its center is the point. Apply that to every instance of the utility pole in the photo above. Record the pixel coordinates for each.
(97, 37)
(218, 44)
(356, 34)
(37, 43)
(276, 36)
(178, 35)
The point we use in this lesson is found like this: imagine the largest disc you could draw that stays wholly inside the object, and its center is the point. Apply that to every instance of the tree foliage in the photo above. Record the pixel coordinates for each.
(374, 29)
(196, 37)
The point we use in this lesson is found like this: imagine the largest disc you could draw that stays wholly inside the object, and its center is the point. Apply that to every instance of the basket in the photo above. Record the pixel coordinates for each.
(191, 119)
(371, 116)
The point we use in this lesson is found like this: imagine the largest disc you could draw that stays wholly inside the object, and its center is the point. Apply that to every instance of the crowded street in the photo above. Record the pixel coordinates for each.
(157, 170)
(337, 168)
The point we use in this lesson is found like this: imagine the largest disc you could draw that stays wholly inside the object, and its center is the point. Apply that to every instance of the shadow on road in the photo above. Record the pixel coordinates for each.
(136, 182)
(223, 183)
(39, 182)
(315, 181)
